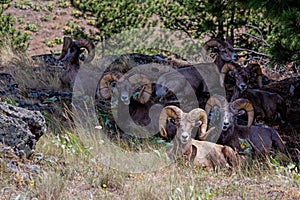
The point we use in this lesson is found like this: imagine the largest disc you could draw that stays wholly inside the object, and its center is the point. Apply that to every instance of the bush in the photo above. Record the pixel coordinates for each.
(8, 33)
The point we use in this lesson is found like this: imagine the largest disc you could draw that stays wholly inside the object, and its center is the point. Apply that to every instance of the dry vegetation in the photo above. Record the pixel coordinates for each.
(70, 172)
(67, 164)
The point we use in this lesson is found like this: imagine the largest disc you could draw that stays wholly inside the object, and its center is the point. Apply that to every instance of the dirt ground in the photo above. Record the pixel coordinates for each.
(46, 30)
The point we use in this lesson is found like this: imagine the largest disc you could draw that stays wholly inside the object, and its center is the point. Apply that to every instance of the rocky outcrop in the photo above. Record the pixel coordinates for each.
(20, 128)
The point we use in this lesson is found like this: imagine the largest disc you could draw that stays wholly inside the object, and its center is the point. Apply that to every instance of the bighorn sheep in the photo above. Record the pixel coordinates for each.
(114, 82)
(261, 138)
(225, 51)
(224, 54)
(255, 74)
(184, 121)
(71, 51)
(267, 105)
(248, 76)
(184, 83)
(202, 154)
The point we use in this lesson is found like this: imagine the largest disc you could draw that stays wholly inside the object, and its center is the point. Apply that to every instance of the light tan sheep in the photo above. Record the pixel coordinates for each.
(202, 154)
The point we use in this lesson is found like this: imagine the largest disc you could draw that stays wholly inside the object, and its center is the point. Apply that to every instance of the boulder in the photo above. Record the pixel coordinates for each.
(20, 128)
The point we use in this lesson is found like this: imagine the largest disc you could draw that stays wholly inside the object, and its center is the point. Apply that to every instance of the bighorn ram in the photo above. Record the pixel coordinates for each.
(202, 154)
(183, 121)
(114, 82)
(184, 83)
(248, 76)
(267, 105)
(225, 54)
(71, 51)
(261, 138)
(225, 51)
(254, 72)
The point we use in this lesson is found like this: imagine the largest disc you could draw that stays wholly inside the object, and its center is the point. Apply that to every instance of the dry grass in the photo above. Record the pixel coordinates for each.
(71, 164)
(73, 169)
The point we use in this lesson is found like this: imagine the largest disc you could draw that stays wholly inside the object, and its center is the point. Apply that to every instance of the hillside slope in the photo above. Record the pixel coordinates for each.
(47, 22)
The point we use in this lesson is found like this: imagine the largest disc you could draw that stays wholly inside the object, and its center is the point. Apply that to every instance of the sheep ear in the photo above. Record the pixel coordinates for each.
(241, 112)
(231, 73)
(163, 132)
(197, 123)
(193, 154)
(204, 136)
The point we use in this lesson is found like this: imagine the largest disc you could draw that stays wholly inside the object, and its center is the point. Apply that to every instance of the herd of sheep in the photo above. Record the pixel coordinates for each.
(237, 120)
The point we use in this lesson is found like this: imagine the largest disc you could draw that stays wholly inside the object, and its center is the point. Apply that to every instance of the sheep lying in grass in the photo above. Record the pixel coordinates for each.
(202, 154)
(262, 139)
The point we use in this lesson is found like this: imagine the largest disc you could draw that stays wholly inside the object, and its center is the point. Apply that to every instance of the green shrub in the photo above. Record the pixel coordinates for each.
(9, 34)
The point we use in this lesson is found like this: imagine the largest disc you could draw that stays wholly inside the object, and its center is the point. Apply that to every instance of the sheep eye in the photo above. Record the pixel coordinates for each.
(113, 84)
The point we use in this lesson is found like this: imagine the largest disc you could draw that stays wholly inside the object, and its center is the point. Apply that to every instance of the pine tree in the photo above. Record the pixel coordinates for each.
(8, 34)
(285, 17)
(217, 18)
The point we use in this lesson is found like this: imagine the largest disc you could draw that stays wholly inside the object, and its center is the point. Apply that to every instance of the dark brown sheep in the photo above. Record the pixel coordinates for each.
(263, 139)
(71, 52)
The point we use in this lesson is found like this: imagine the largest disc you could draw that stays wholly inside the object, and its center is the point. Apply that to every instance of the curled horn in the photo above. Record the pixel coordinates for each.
(256, 67)
(66, 45)
(89, 46)
(145, 93)
(215, 100)
(199, 114)
(211, 43)
(246, 105)
(168, 111)
(227, 67)
(105, 90)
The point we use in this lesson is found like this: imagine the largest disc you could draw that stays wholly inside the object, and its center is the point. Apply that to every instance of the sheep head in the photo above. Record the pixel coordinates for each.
(224, 49)
(242, 75)
(71, 50)
(107, 84)
(184, 122)
(123, 86)
(239, 74)
(230, 110)
(254, 67)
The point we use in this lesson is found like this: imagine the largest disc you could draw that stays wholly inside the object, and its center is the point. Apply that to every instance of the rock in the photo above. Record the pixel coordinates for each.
(21, 128)
(48, 60)
(7, 84)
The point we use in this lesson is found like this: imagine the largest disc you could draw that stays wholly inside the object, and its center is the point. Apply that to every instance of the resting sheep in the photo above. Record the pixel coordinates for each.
(114, 84)
(131, 94)
(71, 52)
(224, 54)
(202, 154)
(267, 105)
(185, 83)
(225, 51)
(262, 139)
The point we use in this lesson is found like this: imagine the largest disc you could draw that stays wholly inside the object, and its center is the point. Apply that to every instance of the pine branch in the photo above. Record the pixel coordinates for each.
(259, 38)
(254, 52)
